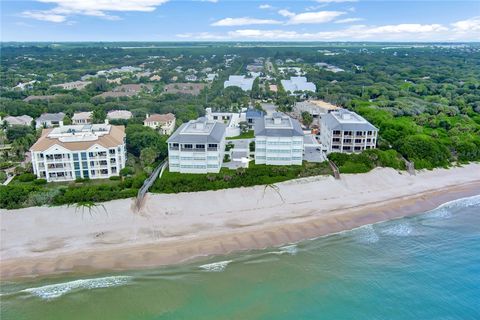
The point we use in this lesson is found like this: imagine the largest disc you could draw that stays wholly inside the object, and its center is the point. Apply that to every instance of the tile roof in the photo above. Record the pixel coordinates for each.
(162, 118)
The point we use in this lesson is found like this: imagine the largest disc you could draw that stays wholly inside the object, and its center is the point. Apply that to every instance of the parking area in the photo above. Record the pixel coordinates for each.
(312, 149)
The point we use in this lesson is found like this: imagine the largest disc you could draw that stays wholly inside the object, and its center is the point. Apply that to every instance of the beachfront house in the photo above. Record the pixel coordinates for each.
(278, 140)
(197, 146)
(296, 84)
(231, 120)
(164, 123)
(79, 151)
(346, 131)
(48, 120)
(239, 81)
(80, 118)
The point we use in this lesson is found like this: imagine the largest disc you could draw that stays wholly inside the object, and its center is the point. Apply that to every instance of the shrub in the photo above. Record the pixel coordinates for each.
(115, 178)
(39, 182)
(26, 177)
(127, 171)
(3, 176)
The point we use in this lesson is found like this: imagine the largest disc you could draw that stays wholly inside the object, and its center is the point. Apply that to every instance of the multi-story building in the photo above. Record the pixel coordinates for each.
(346, 131)
(197, 146)
(164, 123)
(82, 118)
(253, 115)
(79, 151)
(278, 140)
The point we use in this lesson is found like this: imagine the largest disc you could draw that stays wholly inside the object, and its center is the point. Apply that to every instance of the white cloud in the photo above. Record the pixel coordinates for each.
(286, 13)
(310, 17)
(264, 6)
(96, 8)
(399, 32)
(245, 21)
(472, 24)
(44, 16)
(349, 20)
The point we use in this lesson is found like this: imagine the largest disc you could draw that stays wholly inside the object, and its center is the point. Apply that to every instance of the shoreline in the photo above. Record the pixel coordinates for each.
(274, 220)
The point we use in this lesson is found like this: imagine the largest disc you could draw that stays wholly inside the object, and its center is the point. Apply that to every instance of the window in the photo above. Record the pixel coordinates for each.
(358, 148)
(369, 132)
(348, 133)
(347, 148)
(188, 146)
(90, 154)
(212, 145)
(336, 139)
(369, 140)
(111, 151)
(347, 140)
(358, 140)
(335, 147)
(84, 155)
(336, 132)
(359, 133)
(199, 146)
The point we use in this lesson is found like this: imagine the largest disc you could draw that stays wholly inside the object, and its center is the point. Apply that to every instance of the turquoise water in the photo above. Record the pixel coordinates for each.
(423, 267)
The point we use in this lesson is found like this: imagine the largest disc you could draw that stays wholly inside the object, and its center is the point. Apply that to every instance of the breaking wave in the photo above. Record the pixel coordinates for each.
(53, 291)
(216, 266)
(365, 234)
(445, 210)
(402, 229)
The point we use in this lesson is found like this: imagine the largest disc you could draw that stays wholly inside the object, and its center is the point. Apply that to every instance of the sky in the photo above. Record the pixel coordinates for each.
(234, 20)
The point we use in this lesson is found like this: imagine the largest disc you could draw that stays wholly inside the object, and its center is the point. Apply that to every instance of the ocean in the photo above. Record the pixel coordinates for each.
(422, 267)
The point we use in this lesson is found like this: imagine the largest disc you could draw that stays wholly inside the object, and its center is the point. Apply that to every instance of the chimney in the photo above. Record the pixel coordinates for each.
(147, 116)
(277, 120)
(60, 123)
(106, 121)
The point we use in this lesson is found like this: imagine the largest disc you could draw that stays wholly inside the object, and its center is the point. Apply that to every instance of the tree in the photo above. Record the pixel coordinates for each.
(99, 115)
(307, 118)
(148, 156)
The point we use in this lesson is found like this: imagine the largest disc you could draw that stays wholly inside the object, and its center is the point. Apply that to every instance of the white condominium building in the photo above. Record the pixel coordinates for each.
(197, 146)
(346, 131)
(278, 140)
(79, 151)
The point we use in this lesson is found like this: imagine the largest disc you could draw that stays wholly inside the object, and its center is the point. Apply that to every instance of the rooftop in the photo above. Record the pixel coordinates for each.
(82, 115)
(162, 118)
(346, 120)
(81, 137)
(119, 114)
(278, 125)
(199, 131)
(51, 117)
(298, 84)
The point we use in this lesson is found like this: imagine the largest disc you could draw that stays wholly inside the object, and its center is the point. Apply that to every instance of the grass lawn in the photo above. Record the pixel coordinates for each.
(245, 135)
(174, 182)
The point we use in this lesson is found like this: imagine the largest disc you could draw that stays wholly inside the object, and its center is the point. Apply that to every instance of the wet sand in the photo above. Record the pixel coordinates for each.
(172, 229)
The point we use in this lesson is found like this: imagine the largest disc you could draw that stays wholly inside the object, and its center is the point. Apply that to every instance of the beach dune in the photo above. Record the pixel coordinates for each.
(173, 228)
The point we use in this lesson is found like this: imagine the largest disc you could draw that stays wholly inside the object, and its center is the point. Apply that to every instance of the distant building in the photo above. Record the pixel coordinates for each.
(155, 78)
(48, 120)
(346, 131)
(119, 115)
(278, 140)
(210, 77)
(33, 98)
(231, 120)
(82, 117)
(239, 81)
(79, 85)
(17, 121)
(165, 123)
(197, 146)
(252, 115)
(184, 88)
(298, 84)
(191, 77)
(79, 151)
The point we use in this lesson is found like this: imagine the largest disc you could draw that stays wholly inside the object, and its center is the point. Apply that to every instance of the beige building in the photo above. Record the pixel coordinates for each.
(165, 123)
(79, 151)
(82, 117)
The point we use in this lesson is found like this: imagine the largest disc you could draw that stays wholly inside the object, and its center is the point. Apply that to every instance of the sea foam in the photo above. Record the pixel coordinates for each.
(53, 291)
(402, 229)
(216, 266)
(445, 210)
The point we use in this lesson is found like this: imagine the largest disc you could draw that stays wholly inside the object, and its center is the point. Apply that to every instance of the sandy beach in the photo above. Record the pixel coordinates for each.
(175, 228)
